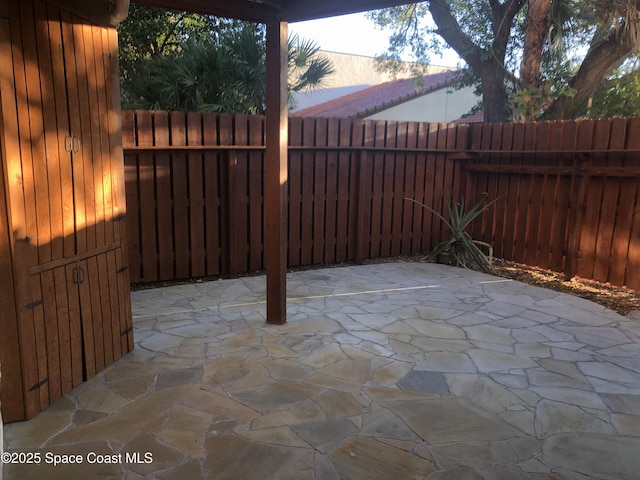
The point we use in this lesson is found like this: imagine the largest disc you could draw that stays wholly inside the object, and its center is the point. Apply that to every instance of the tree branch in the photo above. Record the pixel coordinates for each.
(449, 29)
(599, 60)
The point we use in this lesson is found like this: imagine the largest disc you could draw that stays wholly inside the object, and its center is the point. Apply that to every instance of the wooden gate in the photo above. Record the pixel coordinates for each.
(63, 177)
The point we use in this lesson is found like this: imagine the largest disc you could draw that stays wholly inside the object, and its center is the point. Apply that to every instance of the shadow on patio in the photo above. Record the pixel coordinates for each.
(387, 371)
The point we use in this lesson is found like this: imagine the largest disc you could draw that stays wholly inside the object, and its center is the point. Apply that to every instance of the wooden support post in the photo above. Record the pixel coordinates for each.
(276, 176)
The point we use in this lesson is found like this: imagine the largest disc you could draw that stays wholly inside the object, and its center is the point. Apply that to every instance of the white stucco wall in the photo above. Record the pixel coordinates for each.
(443, 105)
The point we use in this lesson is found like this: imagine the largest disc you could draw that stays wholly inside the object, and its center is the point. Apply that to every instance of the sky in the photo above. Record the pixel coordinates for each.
(354, 34)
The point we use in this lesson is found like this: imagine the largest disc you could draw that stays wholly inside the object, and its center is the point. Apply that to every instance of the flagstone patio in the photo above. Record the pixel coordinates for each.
(386, 371)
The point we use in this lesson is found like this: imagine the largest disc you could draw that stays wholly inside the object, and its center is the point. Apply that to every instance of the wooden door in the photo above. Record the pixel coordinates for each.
(66, 197)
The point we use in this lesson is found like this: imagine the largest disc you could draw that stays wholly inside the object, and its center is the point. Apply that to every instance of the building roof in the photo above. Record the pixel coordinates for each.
(476, 117)
(378, 97)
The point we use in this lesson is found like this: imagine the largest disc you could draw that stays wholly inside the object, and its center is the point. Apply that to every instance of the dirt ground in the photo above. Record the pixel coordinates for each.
(619, 299)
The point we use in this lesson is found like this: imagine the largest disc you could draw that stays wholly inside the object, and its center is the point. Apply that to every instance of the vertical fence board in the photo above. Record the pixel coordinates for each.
(166, 252)
(131, 178)
(331, 192)
(308, 179)
(196, 196)
(148, 227)
(295, 194)
(319, 191)
(212, 162)
(179, 181)
(343, 171)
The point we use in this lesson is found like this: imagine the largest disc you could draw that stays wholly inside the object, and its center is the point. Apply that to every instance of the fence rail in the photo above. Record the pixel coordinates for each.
(569, 192)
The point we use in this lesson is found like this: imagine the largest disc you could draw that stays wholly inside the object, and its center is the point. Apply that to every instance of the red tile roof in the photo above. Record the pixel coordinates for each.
(379, 97)
(477, 117)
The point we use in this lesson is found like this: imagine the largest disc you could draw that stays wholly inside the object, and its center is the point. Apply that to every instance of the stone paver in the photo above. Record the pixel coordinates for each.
(407, 370)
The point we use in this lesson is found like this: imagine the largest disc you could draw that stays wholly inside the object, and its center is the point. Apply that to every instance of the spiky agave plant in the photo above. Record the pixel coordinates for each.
(465, 251)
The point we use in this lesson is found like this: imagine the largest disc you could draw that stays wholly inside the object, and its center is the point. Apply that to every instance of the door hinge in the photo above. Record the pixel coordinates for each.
(119, 217)
(25, 239)
(122, 269)
(78, 274)
(39, 385)
(31, 306)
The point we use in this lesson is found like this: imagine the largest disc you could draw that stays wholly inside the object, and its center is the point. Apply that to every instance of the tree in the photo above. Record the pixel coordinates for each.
(616, 96)
(529, 58)
(199, 63)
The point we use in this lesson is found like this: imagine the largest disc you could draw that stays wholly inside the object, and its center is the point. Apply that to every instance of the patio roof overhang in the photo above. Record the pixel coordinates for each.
(263, 10)
(275, 14)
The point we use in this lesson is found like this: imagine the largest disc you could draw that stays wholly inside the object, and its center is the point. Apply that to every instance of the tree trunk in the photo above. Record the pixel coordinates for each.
(494, 93)
(536, 31)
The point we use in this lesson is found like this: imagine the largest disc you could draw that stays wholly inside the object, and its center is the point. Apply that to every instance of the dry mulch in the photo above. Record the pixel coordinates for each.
(619, 299)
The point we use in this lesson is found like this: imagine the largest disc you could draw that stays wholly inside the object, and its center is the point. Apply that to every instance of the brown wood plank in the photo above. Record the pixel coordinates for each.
(343, 211)
(64, 329)
(418, 138)
(54, 150)
(240, 200)
(41, 387)
(603, 203)
(114, 299)
(38, 161)
(132, 219)
(126, 321)
(502, 227)
(565, 138)
(196, 196)
(52, 336)
(103, 325)
(430, 236)
(308, 179)
(62, 120)
(255, 197)
(166, 254)
(545, 205)
(389, 134)
(632, 274)
(319, 193)
(75, 321)
(331, 192)
(361, 206)
(87, 137)
(408, 191)
(97, 109)
(584, 138)
(113, 127)
(147, 188)
(11, 394)
(89, 313)
(440, 230)
(377, 190)
(180, 196)
(23, 210)
(399, 180)
(212, 195)
(295, 192)
(93, 323)
(520, 237)
(619, 197)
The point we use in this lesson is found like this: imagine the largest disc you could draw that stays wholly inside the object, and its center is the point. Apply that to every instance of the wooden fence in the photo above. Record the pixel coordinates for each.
(568, 192)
